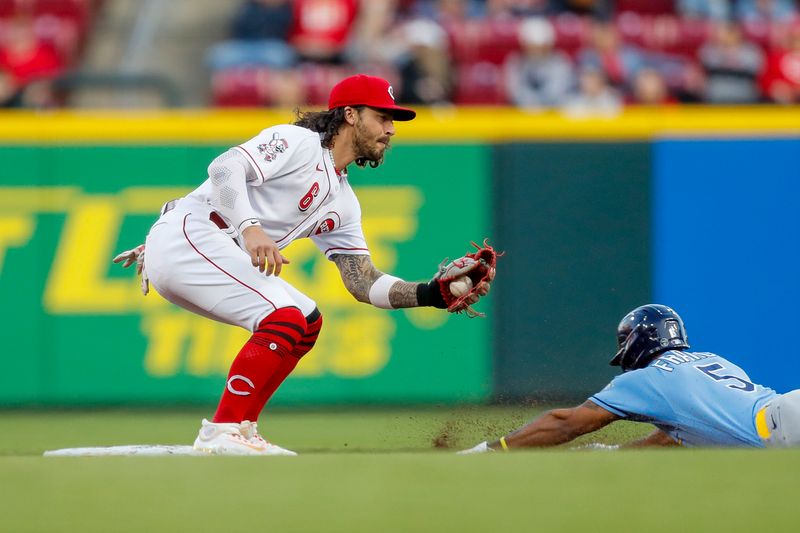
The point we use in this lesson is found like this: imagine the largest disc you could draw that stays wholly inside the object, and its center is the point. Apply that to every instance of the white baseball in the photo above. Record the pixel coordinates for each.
(460, 286)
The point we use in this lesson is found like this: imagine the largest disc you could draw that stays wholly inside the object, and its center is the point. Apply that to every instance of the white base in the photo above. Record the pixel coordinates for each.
(136, 449)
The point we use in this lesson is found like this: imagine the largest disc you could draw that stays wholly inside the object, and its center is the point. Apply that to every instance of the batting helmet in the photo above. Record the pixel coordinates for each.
(645, 332)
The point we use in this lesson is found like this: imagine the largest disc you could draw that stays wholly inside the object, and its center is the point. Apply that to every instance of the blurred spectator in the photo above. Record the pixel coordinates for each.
(426, 72)
(597, 9)
(516, 8)
(705, 9)
(450, 11)
(262, 19)
(781, 80)
(9, 93)
(731, 66)
(682, 75)
(405, 8)
(764, 11)
(425, 44)
(650, 88)
(539, 76)
(618, 61)
(376, 37)
(321, 28)
(281, 88)
(595, 96)
(27, 60)
(260, 32)
(690, 84)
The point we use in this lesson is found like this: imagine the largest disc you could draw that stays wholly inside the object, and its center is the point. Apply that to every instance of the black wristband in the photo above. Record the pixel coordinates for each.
(429, 295)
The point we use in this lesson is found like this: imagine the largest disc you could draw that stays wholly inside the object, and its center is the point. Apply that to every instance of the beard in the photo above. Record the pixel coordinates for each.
(366, 150)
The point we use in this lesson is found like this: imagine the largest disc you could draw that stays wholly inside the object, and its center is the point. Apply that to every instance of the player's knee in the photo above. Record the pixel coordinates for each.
(313, 328)
(313, 324)
(286, 325)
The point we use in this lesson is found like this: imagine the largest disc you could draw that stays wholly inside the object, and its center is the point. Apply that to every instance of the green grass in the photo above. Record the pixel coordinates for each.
(377, 470)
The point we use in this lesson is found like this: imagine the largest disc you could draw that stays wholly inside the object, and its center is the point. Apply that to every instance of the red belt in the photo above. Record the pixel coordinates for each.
(218, 220)
(215, 217)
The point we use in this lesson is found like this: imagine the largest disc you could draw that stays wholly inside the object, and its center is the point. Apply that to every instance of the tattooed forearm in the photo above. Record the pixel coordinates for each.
(403, 294)
(358, 274)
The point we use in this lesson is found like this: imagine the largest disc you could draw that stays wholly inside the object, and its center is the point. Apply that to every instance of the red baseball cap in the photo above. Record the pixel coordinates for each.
(369, 91)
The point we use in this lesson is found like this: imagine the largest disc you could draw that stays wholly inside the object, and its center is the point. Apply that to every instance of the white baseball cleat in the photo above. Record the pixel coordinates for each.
(250, 432)
(225, 439)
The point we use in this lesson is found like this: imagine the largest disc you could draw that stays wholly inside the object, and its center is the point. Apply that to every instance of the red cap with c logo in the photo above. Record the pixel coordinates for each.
(369, 91)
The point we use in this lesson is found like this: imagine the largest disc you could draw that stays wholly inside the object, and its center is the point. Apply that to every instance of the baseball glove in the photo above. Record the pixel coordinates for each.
(479, 267)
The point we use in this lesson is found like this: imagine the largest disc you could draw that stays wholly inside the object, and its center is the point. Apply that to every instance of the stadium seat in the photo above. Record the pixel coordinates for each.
(480, 83)
(235, 88)
(758, 32)
(63, 34)
(631, 28)
(7, 8)
(650, 7)
(779, 32)
(662, 33)
(317, 79)
(76, 11)
(463, 38)
(482, 40)
(693, 33)
(673, 68)
(498, 38)
(257, 86)
(572, 32)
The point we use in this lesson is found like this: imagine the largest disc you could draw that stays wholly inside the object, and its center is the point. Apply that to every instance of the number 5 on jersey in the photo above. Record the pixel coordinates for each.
(709, 370)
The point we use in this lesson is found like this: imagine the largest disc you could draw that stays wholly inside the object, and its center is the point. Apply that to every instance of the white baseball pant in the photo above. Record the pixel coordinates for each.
(194, 263)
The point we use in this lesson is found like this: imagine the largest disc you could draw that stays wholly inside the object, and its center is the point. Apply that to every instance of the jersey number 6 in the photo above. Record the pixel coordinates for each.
(308, 199)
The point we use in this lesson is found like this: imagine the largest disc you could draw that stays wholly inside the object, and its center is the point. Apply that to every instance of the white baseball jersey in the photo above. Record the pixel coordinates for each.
(294, 192)
(284, 180)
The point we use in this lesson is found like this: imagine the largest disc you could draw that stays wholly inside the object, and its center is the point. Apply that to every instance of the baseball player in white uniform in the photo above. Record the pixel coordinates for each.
(218, 251)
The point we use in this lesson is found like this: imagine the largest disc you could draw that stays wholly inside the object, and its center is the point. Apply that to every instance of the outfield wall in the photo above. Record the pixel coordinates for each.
(596, 216)
(78, 331)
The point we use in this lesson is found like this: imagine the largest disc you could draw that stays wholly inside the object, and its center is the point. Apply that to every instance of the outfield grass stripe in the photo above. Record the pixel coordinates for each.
(368, 486)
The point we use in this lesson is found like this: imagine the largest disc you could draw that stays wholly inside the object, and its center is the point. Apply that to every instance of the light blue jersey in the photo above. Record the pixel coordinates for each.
(698, 398)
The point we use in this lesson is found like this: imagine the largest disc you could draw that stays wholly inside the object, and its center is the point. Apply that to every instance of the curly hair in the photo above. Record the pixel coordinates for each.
(328, 123)
(325, 122)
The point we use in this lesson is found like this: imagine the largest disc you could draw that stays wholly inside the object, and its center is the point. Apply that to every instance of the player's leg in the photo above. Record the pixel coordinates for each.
(313, 327)
(252, 372)
(783, 420)
(297, 326)
(278, 325)
(288, 364)
(262, 355)
(198, 267)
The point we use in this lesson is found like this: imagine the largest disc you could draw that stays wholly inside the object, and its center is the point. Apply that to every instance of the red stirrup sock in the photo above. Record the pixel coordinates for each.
(261, 356)
(314, 321)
